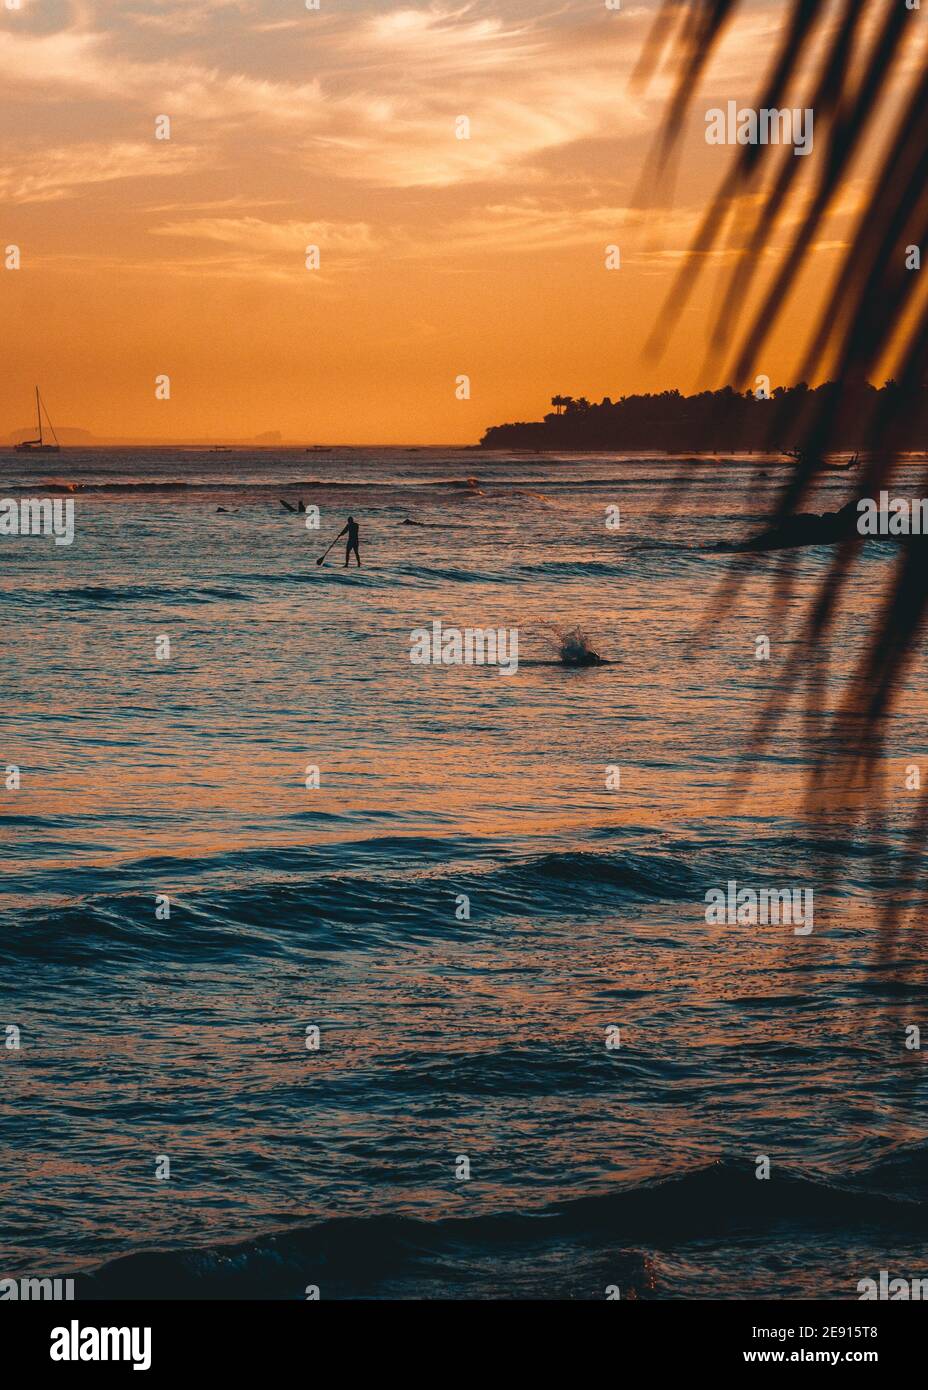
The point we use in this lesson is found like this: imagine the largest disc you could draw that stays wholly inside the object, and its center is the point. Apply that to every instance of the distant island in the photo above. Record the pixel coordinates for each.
(725, 421)
(75, 438)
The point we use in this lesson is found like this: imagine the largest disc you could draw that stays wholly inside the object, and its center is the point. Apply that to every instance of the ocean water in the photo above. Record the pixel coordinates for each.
(442, 1037)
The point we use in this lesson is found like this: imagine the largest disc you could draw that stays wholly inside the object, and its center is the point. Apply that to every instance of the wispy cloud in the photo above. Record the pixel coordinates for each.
(373, 97)
(52, 174)
(275, 248)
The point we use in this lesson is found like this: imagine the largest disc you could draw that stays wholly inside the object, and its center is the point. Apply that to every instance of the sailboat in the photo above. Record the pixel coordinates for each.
(39, 446)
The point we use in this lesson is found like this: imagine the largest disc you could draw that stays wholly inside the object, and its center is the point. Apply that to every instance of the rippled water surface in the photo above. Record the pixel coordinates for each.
(339, 907)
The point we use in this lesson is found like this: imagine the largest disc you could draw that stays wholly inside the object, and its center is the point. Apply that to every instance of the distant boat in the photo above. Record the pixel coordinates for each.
(39, 446)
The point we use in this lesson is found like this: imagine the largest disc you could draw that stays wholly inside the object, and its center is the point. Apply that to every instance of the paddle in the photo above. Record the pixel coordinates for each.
(322, 557)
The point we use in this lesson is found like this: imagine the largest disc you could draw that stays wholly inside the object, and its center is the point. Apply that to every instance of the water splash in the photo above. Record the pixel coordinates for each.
(575, 648)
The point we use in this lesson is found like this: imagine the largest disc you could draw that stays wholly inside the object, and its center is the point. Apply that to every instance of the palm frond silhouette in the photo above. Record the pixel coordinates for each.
(852, 63)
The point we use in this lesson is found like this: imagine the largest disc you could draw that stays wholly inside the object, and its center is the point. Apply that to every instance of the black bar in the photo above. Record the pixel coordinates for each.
(263, 1338)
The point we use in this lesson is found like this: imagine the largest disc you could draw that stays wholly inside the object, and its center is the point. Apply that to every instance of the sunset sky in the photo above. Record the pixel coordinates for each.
(336, 127)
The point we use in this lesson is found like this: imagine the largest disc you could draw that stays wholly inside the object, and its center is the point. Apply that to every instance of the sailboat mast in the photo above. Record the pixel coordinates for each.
(52, 428)
(38, 412)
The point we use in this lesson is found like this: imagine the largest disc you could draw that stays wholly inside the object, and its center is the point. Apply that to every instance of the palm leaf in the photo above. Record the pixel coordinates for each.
(871, 316)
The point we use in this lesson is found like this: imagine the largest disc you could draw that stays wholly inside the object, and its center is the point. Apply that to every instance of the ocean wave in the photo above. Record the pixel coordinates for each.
(108, 595)
(380, 1254)
(272, 487)
(638, 875)
(330, 900)
(582, 569)
(450, 574)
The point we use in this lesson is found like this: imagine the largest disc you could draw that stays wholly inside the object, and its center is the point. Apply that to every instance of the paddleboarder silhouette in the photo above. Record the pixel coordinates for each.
(352, 545)
(352, 542)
